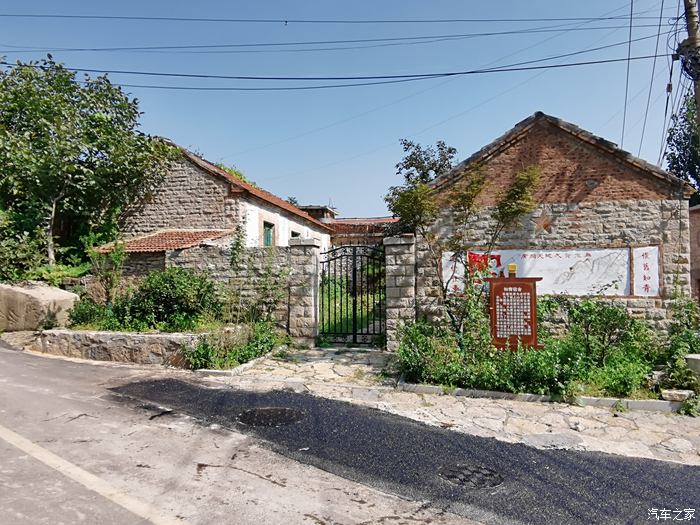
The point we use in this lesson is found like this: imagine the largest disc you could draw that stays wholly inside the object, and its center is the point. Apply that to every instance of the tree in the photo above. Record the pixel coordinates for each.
(71, 155)
(418, 206)
(412, 202)
(683, 146)
(293, 201)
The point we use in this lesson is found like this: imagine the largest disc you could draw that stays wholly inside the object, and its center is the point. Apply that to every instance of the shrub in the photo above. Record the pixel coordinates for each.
(604, 350)
(87, 312)
(225, 349)
(172, 299)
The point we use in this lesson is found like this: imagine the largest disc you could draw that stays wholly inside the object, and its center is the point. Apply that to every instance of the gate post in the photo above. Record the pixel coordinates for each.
(303, 290)
(400, 284)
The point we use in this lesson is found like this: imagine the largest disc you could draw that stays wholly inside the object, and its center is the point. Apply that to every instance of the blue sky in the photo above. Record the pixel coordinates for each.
(341, 145)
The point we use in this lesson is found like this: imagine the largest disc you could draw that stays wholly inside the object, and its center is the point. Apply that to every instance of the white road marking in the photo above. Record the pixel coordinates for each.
(90, 481)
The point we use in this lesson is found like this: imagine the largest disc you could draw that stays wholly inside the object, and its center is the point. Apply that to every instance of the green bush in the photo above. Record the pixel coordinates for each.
(603, 349)
(173, 300)
(87, 312)
(225, 350)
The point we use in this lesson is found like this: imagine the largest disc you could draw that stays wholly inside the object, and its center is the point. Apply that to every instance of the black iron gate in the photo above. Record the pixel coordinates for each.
(352, 301)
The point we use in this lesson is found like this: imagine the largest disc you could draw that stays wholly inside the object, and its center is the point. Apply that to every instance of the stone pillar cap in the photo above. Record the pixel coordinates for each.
(404, 238)
(305, 242)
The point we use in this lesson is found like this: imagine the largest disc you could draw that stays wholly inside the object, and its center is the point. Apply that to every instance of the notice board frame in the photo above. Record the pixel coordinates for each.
(529, 285)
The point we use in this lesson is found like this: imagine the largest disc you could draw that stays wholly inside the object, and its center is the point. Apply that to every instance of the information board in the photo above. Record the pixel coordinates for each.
(513, 307)
(579, 272)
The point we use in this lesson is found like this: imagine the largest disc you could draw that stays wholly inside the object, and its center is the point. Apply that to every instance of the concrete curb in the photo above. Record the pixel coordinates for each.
(653, 405)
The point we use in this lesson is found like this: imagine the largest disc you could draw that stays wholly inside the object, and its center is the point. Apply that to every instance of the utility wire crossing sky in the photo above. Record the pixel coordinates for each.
(310, 100)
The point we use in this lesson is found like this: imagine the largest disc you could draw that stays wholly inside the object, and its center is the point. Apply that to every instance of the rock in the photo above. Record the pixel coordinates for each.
(677, 445)
(693, 361)
(676, 395)
(33, 306)
(553, 441)
(656, 377)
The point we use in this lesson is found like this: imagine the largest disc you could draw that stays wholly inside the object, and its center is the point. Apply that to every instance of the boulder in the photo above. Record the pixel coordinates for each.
(693, 361)
(33, 306)
(676, 395)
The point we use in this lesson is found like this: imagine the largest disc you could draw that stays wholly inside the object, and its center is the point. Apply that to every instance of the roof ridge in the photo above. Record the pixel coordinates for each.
(527, 123)
(260, 193)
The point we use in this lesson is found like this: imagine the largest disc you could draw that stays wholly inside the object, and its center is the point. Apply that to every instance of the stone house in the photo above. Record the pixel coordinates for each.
(606, 223)
(199, 204)
(367, 231)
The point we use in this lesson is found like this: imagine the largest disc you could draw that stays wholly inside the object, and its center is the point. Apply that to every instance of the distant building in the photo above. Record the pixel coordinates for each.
(199, 203)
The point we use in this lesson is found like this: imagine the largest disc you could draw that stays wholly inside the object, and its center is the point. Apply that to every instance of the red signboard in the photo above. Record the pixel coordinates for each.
(513, 311)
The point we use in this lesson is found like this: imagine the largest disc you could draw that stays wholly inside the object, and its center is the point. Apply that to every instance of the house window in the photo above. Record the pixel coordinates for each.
(268, 234)
(296, 235)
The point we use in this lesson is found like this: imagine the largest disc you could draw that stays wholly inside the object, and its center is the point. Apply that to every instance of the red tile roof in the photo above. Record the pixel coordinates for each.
(252, 190)
(167, 240)
(361, 225)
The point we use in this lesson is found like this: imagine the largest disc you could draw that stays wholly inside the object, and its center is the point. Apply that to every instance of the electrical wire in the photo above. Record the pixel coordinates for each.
(651, 81)
(414, 94)
(627, 76)
(236, 48)
(416, 76)
(287, 21)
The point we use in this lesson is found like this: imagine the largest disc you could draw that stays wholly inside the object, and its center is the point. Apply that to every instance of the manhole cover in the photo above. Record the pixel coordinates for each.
(471, 476)
(270, 416)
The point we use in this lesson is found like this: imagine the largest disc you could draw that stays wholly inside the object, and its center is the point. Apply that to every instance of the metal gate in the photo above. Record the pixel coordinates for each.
(352, 295)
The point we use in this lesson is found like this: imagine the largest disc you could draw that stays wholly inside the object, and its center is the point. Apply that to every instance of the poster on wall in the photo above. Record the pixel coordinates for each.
(573, 271)
(646, 271)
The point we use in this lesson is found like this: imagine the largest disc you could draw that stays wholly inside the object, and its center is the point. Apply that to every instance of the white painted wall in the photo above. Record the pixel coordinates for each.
(285, 223)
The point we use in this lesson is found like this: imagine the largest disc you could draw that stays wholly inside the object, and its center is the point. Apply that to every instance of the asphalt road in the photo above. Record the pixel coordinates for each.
(405, 457)
(74, 452)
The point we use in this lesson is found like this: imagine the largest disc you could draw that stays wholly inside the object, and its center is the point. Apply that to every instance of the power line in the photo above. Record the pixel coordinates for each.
(627, 77)
(287, 21)
(651, 81)
(416, 76)
(397, 101)
(237, 47)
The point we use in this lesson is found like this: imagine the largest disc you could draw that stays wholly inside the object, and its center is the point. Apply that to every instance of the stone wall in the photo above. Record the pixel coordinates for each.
(137, 264)
(292, 271)
(188, 198)
(151, 349)
(258, 268)
(602, 224)
(400, 285)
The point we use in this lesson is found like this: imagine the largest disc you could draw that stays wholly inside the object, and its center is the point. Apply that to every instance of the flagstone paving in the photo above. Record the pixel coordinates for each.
(365, 377)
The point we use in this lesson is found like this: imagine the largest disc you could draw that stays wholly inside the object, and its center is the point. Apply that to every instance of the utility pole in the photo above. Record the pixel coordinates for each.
(689, 50)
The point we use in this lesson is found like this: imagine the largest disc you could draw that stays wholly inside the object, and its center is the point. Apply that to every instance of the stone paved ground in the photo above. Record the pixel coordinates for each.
(363, 377)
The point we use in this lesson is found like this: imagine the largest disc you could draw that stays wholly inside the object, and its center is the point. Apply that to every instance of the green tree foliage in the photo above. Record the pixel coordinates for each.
(424, 164)
(418, 205)
(238, 174)
(683, 145)
(71, 155)
(413, 202)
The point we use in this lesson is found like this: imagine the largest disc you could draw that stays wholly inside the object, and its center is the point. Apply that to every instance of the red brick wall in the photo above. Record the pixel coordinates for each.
(571, 170)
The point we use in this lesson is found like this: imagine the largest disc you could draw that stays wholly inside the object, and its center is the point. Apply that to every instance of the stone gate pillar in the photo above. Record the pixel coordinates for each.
(303, 290)
(400, 284)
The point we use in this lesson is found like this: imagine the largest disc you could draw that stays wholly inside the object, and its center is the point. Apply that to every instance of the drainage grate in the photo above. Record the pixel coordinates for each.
(471, 476)
(270, 416)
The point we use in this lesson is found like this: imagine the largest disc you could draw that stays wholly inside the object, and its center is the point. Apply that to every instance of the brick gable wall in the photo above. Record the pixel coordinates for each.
(572, 170)
(188, 198)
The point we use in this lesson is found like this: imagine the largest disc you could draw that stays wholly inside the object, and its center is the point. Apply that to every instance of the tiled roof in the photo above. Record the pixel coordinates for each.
(525, 125)
(168, 240)
(361, 225)
(365, 220)
(252, 190)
